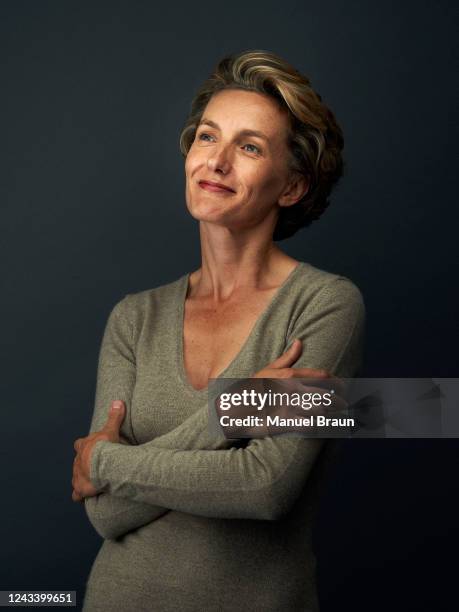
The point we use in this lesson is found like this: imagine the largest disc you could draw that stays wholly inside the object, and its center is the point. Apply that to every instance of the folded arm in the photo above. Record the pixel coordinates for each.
(113, 516)
(262, 480)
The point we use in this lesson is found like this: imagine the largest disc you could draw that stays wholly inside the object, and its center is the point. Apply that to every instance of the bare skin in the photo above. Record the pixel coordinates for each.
(215, 332)
(241, 267)
(81, 483)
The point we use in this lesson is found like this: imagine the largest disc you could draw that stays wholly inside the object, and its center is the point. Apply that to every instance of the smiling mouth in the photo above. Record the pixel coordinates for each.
(214, 188)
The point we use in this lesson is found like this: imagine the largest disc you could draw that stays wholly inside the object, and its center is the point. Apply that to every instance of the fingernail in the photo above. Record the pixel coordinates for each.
(116, 406)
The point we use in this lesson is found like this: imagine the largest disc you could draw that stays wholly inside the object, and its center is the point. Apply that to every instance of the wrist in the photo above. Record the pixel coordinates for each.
(94, 464)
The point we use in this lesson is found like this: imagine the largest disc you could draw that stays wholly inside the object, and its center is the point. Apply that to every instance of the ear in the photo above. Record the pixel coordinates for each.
(296, 189)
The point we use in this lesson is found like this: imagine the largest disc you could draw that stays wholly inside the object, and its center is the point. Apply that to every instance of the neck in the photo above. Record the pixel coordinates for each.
(233, 263)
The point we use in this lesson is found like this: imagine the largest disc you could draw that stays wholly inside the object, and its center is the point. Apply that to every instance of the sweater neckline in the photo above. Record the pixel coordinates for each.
(183, 290)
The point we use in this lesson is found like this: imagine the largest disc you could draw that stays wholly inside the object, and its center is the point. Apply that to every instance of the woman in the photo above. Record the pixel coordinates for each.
(192, 522)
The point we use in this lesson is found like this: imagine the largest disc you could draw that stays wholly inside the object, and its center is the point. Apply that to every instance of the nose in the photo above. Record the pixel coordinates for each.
(218, 160)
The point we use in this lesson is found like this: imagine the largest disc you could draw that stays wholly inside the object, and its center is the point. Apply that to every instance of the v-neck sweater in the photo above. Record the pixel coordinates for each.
(192, 521)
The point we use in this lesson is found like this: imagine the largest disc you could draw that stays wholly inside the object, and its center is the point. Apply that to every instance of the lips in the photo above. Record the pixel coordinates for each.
(215, 187)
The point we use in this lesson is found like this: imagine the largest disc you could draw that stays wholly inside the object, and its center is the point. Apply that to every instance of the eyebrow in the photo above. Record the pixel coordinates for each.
(245, 132)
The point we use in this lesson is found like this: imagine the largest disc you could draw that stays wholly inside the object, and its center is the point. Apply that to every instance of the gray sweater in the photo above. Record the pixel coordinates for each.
(193, 522)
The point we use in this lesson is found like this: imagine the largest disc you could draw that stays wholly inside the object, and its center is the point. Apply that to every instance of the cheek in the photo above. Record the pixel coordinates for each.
(263, 183)
(188, 164)
(192, 162)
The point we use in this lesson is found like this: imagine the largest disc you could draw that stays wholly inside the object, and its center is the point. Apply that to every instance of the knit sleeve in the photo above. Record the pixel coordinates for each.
(113, 516)
(264, 479)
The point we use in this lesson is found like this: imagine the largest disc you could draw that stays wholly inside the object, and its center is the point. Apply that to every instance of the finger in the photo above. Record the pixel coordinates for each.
(115, 418)
(79, 498)
(311, 373)
(76, 444)
(307, 380)
(323, 377)
(76, 497)
(321, 402)
(289, 357)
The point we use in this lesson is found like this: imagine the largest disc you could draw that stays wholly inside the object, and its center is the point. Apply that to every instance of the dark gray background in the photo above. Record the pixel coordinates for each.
(94, 95)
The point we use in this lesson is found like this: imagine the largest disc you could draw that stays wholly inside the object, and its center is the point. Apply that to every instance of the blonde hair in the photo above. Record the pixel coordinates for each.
(315, 140)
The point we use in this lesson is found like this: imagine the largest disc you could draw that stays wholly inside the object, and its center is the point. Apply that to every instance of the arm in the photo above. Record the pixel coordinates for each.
(263, 480)
(114, 516)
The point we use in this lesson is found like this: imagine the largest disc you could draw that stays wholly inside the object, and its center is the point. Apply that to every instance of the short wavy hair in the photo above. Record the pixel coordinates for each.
(315, 139)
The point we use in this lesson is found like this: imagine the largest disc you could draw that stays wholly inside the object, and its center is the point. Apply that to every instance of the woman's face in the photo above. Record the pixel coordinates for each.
(254, 166)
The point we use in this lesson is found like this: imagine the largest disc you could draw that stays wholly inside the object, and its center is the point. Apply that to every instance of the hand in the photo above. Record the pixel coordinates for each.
(281, 368)
(81, 483)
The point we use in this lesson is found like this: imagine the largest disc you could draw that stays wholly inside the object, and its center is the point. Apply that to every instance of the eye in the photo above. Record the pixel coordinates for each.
(254, 146)
(203, 134)
(204, 137)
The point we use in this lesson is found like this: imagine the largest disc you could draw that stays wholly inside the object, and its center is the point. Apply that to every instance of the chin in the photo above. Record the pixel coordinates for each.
(212, 211)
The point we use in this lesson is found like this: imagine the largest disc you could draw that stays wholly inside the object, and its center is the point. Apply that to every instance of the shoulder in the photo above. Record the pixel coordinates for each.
(330, 320)
(164, 292)
(135, 306)
(320, 289)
